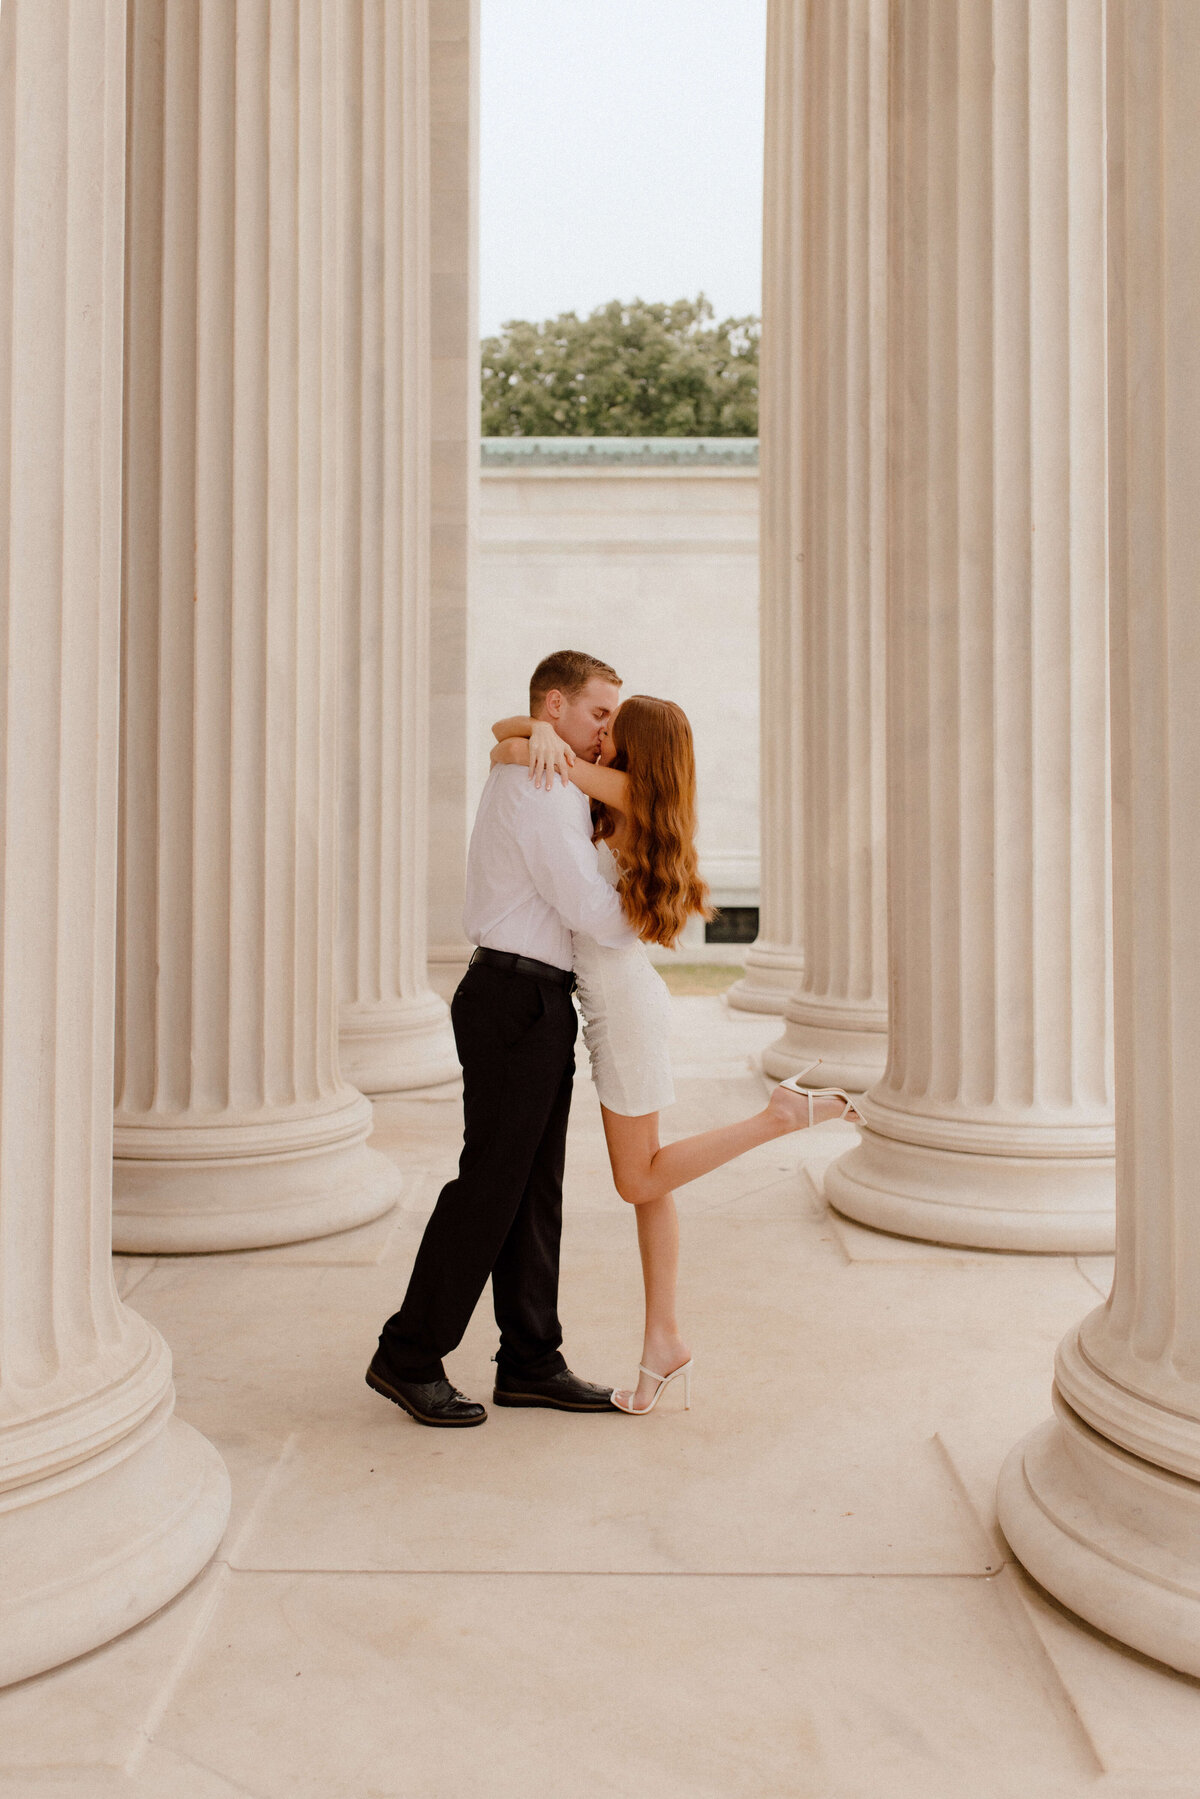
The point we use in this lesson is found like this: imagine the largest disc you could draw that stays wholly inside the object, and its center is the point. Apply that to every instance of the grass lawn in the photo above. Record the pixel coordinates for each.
(699, 977)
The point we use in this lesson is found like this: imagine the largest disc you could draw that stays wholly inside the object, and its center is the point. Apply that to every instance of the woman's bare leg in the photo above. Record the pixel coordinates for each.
(663, 1349)
(645, 1171)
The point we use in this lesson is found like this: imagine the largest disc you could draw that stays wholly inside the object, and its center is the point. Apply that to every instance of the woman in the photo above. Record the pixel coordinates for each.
(643, 793)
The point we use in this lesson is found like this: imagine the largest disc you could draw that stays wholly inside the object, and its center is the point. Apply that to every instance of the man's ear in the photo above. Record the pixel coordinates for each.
(553, 704)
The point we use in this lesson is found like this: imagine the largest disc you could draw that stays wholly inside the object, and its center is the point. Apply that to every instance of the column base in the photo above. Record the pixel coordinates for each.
(1103, 1389)
(773, 972)
(190, 1189)
(850, 1058)
(1053, 1205)
(386, 1049)
(98, 1548)
(1116, 1539)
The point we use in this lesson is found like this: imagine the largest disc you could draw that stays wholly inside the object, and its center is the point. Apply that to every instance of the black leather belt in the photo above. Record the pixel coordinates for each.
(514, 964)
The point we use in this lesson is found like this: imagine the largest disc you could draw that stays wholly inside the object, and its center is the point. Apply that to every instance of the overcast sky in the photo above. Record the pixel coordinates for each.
(621, 154)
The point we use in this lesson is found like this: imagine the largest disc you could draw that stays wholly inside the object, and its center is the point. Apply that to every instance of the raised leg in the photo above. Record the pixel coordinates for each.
(644, 1170)
(646, 1173)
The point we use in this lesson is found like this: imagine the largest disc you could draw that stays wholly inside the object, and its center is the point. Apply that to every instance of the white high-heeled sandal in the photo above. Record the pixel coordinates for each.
(664, 1381)
(792, 1084)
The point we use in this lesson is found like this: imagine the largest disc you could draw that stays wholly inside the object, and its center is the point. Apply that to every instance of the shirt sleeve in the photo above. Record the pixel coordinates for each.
(562, 865)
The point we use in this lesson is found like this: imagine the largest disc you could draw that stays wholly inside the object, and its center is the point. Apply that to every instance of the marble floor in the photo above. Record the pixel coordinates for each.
(796, 1590)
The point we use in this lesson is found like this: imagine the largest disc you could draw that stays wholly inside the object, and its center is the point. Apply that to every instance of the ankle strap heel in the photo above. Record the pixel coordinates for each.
(664, 1381)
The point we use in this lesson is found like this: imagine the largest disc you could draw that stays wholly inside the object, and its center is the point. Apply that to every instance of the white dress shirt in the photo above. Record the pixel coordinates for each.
(533, 876)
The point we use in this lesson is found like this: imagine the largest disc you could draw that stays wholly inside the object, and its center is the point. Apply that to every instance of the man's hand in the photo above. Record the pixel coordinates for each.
(548, 755)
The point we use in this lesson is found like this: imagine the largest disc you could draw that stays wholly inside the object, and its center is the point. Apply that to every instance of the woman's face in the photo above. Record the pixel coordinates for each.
(608, 753)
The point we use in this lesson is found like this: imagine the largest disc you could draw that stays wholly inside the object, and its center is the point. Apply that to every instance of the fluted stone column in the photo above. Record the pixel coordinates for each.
(838, 1012)
(108, 1504)
(395, 1031)
(775, 962)
(234, 1126)
(1102, 1504)
(454, 284)
(993, 1122)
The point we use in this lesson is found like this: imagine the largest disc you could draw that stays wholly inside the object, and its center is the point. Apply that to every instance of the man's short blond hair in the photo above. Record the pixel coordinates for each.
(569, 671)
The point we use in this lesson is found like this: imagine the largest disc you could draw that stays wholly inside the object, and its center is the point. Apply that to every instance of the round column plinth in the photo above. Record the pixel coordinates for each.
(100, 1546)
(186, 1190)
(772, 974)
(388, 1049)
(1055, 1205)
(850, 1056)
(1116, 1539)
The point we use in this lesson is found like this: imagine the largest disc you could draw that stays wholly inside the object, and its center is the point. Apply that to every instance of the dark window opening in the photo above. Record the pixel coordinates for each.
(733, 924)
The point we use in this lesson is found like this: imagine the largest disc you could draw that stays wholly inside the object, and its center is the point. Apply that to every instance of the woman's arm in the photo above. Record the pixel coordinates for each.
(608, 785)
(511, 749)
(548, 755)
(512, 727)
(542, 754)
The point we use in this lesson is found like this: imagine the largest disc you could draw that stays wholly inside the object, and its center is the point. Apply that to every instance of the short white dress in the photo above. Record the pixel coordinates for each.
(626, 1019)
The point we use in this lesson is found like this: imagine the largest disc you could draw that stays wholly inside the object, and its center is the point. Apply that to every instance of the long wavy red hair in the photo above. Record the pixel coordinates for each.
(660, 886)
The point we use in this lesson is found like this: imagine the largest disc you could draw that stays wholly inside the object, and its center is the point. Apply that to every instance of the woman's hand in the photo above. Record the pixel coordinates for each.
(548, 755)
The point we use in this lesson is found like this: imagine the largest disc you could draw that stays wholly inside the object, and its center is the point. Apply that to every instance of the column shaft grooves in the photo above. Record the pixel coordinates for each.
(837, 1010)
(774, 962)
(454, 484)
(95, 1474)
(394, 1031)
(1102, 1503)
(227, 1027)
(999, 965)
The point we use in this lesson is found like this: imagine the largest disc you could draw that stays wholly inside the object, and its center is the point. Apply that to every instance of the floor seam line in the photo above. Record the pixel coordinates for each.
(191, 1644)
(626, 1573)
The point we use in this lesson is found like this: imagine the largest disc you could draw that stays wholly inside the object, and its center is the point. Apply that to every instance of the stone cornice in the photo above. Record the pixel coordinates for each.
(619, 452)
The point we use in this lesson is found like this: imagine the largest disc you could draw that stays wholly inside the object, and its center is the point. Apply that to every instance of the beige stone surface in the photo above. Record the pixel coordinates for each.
(109, 1504)
(91, 1716)
(404, 1685)
(1103, 1503)
(1139, 1716)
(454, 431)
(775, 962)
(992, 1124)
(805, 1585)
(837, 187)
(394, 1029)
(803, 1571)
(655, 569)
(1099, 1271)
(234, 1124)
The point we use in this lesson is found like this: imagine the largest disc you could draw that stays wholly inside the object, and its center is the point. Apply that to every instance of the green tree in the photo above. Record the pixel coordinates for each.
(624, 371)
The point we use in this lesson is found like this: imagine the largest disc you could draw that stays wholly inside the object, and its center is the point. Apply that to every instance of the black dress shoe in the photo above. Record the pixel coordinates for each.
(428, 1401)
(562, 1392)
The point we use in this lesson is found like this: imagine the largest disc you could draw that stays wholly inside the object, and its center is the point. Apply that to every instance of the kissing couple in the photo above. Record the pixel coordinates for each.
(582, 853)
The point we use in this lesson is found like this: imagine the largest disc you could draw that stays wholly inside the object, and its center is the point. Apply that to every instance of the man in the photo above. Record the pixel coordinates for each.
(532, 879)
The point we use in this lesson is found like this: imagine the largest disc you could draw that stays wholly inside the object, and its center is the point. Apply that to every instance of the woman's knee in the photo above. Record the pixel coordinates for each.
(635, 1188)
(632, 1146)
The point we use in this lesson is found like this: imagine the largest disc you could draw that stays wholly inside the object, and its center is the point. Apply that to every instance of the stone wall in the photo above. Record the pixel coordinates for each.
(643, 551)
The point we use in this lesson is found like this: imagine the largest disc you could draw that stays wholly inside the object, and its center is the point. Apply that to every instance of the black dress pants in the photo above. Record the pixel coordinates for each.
(502, 1215)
